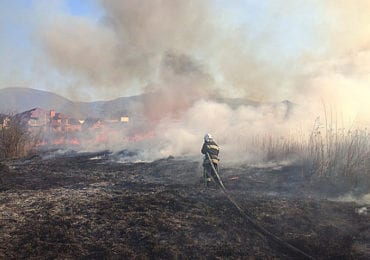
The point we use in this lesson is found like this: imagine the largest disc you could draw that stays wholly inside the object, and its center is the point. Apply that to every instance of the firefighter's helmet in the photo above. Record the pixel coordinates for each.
(208, 137)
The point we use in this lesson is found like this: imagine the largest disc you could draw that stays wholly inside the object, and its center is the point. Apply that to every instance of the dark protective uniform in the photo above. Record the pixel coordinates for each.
(212, 149)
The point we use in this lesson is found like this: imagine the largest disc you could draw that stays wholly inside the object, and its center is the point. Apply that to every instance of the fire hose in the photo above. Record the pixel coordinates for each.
(217, 179)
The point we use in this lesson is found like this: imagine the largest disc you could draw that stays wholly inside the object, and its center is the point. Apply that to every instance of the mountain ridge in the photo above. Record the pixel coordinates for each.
(18, 99)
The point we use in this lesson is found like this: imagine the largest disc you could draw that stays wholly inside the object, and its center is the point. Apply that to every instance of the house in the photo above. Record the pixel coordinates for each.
(35, 117)
(73, 125)
(38, 117)
(58, 128)
(92, 123)
(124, 119)
(60, 122)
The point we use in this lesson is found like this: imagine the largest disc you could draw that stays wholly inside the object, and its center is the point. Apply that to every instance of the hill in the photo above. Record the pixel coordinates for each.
(16, 100)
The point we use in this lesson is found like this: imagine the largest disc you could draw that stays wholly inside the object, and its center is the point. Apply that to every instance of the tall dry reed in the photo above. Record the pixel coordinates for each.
(327, 151)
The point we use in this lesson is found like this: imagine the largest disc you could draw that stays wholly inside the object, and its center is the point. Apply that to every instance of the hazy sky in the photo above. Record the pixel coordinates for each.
(262, 50)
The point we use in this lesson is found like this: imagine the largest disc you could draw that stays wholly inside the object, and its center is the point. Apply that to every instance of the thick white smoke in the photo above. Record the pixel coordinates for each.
(232, 128)
(189, 51)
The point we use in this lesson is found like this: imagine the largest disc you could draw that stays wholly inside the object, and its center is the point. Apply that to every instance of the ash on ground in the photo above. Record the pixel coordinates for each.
(89, 205)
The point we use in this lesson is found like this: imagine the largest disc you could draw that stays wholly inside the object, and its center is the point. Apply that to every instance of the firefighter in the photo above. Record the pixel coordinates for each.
(210, 147)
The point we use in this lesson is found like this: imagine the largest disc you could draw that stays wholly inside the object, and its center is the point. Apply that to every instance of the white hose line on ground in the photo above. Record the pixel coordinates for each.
(254, 223)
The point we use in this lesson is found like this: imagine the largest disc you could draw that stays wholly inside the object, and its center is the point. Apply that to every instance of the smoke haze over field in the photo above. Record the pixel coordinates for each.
(189, 49)
(314, 53)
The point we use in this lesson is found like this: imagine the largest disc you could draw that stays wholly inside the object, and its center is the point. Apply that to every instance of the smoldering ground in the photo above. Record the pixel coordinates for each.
(88, 205)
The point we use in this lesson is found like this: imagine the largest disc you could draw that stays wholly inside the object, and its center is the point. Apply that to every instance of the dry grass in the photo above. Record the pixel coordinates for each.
(329, 152)
(15, 139)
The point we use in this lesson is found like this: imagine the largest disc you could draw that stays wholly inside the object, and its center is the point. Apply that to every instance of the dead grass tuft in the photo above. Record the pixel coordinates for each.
(337, 155)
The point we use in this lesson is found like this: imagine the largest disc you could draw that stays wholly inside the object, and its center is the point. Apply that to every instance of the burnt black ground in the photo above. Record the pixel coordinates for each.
(87, 206)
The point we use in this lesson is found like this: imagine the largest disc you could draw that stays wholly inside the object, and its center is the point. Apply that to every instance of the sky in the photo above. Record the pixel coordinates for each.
(269, 50)
(27, 61)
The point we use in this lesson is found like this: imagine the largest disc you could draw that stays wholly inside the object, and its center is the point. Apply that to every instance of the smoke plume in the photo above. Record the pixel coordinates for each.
(186, 53)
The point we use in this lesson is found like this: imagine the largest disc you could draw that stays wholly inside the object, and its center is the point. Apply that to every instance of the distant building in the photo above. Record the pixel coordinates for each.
(58, 122)
(92, 123)
(124, 119)
(36, 117)
(74, 125)
(58, 128)
(33, 120)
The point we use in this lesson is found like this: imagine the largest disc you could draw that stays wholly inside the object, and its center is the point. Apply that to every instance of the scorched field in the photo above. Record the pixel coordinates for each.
(94, 206)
